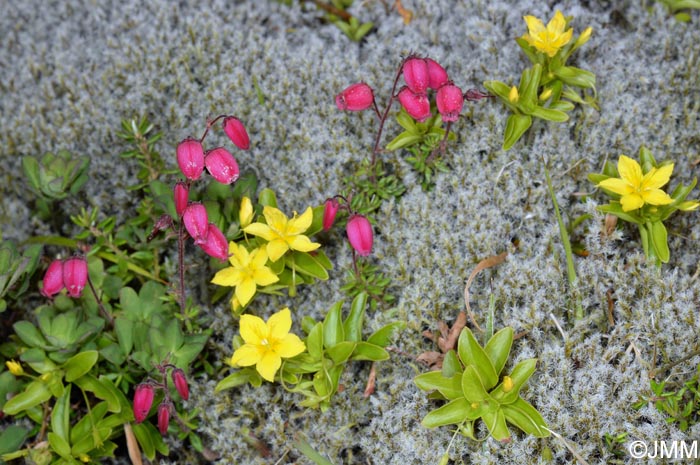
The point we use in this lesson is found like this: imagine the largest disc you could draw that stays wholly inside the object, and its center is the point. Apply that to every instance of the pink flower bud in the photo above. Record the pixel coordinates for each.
(196, 222)
(416, 105)
(53, 279)
(143, 399)
(449, 100)
(415, 73)
(330, 209)
(473, 95)
(357, 97)
(190, 158)
(215, 244)
(221, 165)
(164, 417)
(360, 234)
(75, 274)
(235, 131)
(180, 382)
(437, 76)
(181, 194)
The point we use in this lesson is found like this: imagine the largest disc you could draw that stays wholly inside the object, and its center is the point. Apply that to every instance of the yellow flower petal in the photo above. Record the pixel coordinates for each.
(264, 277)
(245, 290)
(246, 355)
(656, 197)
(513, 94)
(629, 170)
(303, 244)
(300, 224)
(657, 177)
(276, 248)
(275, 219)
(280, 323)
(289, 346)
(260, 230)
(534, 25)
(245, 213)
(617, 186)
(557, 24)
(253, 329)
(631, 202)
(268, 365)
(227, 277)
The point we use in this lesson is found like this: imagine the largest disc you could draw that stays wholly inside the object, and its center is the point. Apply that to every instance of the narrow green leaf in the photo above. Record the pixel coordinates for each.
(498, 348)
(659, 239)
(451, 387)
(60, 416)
(353, 323)
(382, 337)
(370, 352)
(314, 342)
(34, 394)
(472, 388)
(102, 389)
(576, 77)
(235, 379)
(516, 125)
(524, 416)
(340, 352)
(451, 413)
(123, 327)
(60, 446)
(333, 332)
(549, 114)
(519, 376)
(403, 140)
(496, 423)
(471, 353)
(307, 264)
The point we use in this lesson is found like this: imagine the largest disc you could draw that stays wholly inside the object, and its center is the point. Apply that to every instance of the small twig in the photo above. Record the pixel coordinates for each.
(611, 306)
(568, 446)
(331, 9)
(103, 311)
(556, 323)
(371, 381)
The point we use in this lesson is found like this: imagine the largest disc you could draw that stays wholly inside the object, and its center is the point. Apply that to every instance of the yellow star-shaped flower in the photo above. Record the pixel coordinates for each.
(547, 39)
(14, 367)
(246, 273)
(282, 233)
(636, 189)
(266, 344)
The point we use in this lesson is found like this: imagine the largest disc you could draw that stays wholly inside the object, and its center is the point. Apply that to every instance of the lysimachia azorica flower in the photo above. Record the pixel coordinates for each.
(246, 273)
(283, 234)
(548, 39)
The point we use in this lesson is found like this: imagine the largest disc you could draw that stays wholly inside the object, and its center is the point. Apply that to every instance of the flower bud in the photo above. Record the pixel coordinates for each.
(473, 95)
(584, 37)
(75, 274)
(545, 94)
(143, 399)
(53, 279)
(14, 367)
(215, 244)
(357, 97)
(415, 73)
(330, 209)
(190, 158)
(221, 165)
(437, 76)
(196, 222)
(180, 382)
(416, 105)
(235, 131)
(507, 384)
(449, 101)
(164, 417)
(181, 194)
(245, 212)
(513, 95)
(360, 234)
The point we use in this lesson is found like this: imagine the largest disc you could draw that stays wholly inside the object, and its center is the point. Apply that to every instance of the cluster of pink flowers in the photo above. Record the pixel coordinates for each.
(358, 227)
(419, 75)
(71, 274)
(144, 395)
(222, 166)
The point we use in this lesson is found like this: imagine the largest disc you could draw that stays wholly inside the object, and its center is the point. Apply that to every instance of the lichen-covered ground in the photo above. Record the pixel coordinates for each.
(71, 70)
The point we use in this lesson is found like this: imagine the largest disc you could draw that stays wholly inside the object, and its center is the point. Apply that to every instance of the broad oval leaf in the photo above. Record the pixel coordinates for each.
(472, 389)
(471, 353)
(524, 416)
(449, 414)
(340, 352)
(353, 323)
(370, 352)
(34, 394)
(498, 348)
(451, 387)
(333, 332)
(80, 364)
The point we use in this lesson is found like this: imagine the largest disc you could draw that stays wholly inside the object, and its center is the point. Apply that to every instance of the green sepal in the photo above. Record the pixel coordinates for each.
(450, 388)
(525, 417)
(471, 353)
(498, 348)
(451, 413)
(516, 125)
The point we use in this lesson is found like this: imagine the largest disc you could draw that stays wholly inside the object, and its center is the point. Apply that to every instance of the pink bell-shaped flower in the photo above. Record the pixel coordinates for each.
(221, 165)
(416, 105)
(190, 158)
(143, 400)
(164, 417)
(356, 97)
(196, 222)
(235, 131)
(75, 274)
(330, 209)
(449, 101)
(437, 76)
(215, 244)
(360, 234)
(181, 194)
(180, 382)
(415, 73)
(53, 279)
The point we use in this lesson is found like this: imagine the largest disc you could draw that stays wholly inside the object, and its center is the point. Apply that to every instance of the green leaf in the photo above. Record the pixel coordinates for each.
(496, 423)
(11, 439)
(516, 125)
(340, 352)
(471, 353)
(499, 89)
(59, 445)
(383, 336)
(102, 389)
(451, 387)
(314, 342)
(659, 239)
(519, 376)
(529, 83)
(576, 77)
(79, 364)
(371, 352)
(235, 379)
(403, 140)
(307, 264)
(30, 335)
(472, 388)
(524, 416)
(616, 209)
(550, 114)
(149, 439)
(267, 198)
(123, 328)
(406, 122)
(34, 394)
(353, 323)
(31, 171)
(451, 365)
(498, 348)
(333, 332)
(60, 417)
(451, 413)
